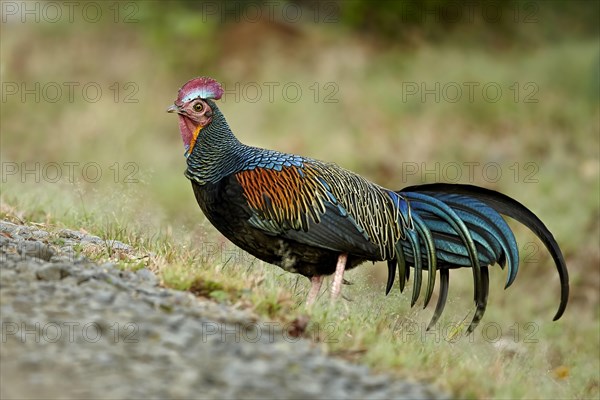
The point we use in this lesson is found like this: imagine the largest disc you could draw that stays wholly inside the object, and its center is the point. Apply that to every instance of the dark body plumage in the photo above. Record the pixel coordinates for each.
(304, 234)
(302, 214)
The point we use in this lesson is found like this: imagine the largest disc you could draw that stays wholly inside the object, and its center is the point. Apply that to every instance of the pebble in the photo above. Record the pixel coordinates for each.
(91, 239)
(147, 276)
(35, 249)
(52, 272)
(67, 233)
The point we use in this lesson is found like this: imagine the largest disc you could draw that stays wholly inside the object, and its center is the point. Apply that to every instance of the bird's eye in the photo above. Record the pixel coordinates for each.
(198, 107)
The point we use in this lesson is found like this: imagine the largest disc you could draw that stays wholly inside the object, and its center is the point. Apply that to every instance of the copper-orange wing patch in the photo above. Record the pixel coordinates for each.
(295, 196)
(287, 197)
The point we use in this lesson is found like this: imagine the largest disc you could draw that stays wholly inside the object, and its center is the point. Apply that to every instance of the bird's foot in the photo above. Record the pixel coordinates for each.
(338, 278)
(315, 286)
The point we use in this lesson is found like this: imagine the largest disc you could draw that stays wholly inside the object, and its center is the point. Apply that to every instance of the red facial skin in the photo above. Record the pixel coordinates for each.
(193, 116)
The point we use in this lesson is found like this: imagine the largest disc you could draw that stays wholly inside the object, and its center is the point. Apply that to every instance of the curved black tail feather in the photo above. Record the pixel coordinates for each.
(510, 207)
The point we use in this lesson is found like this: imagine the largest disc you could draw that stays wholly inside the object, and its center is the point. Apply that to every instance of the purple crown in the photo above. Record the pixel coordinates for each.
(202, 87)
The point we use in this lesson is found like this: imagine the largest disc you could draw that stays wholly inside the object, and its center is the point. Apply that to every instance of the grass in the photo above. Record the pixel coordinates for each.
(517, 352)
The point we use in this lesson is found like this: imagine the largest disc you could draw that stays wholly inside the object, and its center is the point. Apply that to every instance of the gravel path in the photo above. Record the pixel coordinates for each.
(75, 329)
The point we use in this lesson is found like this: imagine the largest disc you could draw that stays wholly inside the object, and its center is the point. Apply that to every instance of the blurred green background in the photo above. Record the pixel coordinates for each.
(499, 94)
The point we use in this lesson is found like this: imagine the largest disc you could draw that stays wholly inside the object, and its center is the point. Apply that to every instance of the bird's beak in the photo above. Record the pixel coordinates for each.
(173, 108)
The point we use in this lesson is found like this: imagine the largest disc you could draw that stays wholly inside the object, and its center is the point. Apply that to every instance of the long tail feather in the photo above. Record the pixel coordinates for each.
(429, 204)
(484, 225)
(442, 297)
(417, 264)
(425, 234)
(391, 276)
(480, 310)
(402, 270)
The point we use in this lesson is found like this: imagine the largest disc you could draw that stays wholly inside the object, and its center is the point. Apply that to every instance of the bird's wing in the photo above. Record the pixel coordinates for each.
(320, 205)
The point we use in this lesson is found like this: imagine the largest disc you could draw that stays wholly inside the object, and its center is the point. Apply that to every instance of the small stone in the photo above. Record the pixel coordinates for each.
(61, 259)
(105, 297)
(22, 232)
(35, 249)
(146, 275)
(52, 272)
(40, 234)
(70, 234)
(375, 381)
(92, 239)
(6, 226)
(116, 245)
(4, 241)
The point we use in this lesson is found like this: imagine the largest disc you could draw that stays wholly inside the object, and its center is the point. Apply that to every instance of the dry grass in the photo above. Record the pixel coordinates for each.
(371, 130)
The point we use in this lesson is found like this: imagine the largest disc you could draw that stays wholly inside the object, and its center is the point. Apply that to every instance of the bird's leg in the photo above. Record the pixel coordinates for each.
(336, 287)
(315, 286)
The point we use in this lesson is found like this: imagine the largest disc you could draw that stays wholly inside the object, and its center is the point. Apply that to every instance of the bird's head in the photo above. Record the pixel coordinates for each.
(194, 108)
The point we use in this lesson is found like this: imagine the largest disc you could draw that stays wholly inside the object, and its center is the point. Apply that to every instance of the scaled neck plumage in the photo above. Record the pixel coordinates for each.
(215, 151)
